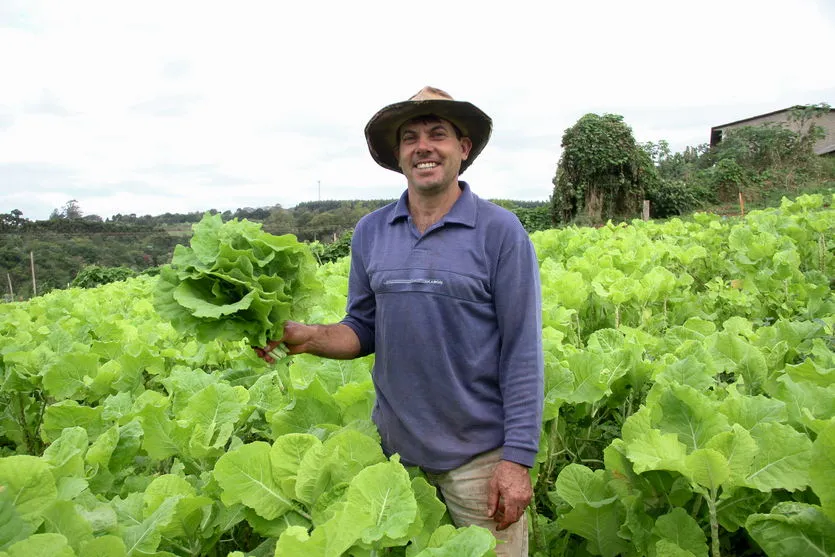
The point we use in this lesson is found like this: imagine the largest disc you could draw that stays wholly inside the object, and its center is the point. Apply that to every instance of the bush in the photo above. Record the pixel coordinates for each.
(326, 253)
(92, 276)
(675, 197)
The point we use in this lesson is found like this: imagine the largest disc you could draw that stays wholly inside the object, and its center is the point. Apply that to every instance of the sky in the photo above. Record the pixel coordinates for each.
(180, 106)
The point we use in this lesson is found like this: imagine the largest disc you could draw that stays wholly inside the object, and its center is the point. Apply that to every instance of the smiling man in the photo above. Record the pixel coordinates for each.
(444, 290)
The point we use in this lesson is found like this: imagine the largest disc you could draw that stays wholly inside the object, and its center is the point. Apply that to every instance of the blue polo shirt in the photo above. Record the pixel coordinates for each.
(453, 317)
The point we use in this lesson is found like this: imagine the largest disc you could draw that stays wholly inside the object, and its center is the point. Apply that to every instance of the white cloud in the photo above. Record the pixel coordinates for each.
(183, 106)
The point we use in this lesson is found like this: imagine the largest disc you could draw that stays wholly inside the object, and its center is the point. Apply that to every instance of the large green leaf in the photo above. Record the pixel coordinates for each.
(748, 411)
(287, 455)
(783, 459)
(246, 476)
(380, 505)
(430, 512)
(337, 460)
(689, 414)
(578, 484)
(29, 482)
(62, 517)
(54, 545)
(212, 415)
(657, 451)
(145, 537)
(104, 546)
(682, 530)
(822, 469)
(66, 454)
(472, 541)
(708, 468)
(12, 526)
(739, 449)
(793, 529)
(598, 525)
(69, 376)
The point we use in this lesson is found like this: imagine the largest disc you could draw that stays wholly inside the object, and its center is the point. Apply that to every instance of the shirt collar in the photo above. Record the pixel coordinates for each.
(463, 211)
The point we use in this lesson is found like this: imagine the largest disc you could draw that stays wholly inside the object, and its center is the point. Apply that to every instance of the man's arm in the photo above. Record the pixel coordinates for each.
(518, 302)
(352, 337)
(336, 341)
(521, 369)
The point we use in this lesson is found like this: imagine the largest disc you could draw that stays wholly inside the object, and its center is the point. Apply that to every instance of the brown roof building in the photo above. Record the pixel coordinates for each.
(823, 146)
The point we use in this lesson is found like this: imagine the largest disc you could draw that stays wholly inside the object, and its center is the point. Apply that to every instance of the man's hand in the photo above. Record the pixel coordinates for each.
(295, 339)
(510, 493)
(336, 341)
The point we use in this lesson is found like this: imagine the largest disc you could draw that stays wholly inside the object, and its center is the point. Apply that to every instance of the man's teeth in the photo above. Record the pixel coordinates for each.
(427, 164)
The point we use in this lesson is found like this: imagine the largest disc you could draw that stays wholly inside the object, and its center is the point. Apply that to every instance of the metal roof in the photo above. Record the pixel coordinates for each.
(762, 116)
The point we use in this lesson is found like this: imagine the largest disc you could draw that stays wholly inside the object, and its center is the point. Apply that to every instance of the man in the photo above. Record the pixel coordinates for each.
(444, 289)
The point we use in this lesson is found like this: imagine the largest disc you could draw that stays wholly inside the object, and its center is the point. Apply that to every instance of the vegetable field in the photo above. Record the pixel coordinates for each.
(690, 411)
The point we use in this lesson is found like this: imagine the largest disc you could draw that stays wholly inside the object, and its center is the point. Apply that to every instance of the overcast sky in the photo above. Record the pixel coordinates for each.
(176, 106)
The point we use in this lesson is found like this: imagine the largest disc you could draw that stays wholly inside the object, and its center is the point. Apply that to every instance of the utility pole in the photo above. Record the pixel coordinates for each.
(319, 184)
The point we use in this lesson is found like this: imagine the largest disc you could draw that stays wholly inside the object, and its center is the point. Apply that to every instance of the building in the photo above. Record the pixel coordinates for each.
(824, 146)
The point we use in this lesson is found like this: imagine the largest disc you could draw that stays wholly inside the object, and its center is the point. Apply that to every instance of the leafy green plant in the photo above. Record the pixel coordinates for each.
(689, 411)
(95, 275)
(236, 282)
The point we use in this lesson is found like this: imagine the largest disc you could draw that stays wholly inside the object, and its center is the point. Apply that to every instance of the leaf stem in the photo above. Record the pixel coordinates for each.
(21, 419)
(279, 352)
(714, 524)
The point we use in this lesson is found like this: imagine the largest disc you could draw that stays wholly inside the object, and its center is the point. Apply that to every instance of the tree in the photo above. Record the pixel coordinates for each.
(70, 211)
(280, 221)
(602, 172)
(12, 219)
(803, 117)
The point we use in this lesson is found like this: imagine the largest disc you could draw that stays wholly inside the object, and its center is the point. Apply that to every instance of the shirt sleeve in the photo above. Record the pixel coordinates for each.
(361, 308)
(518, 303)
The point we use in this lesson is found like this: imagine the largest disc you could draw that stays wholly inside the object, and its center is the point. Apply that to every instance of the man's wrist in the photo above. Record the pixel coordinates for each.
(523, 457)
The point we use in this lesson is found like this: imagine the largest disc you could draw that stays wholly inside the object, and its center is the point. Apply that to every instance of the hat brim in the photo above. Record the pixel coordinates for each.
(381, 130)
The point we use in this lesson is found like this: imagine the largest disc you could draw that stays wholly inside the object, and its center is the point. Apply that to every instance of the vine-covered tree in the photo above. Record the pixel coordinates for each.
(602, 173)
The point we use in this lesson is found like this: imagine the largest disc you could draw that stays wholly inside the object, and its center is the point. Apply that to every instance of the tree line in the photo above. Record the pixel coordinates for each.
(603, 174)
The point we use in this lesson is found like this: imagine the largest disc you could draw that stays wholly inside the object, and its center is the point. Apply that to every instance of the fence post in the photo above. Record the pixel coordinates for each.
(646, 209)
(741, 205)
(32, 265)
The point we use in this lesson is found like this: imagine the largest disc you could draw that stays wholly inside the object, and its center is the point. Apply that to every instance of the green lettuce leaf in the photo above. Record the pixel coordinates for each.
(236, 282)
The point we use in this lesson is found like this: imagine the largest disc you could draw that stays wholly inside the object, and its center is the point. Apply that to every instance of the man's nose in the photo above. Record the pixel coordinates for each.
(423, 143)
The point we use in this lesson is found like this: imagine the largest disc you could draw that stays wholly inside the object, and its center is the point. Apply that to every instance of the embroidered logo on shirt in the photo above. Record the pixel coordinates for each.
(435, 282)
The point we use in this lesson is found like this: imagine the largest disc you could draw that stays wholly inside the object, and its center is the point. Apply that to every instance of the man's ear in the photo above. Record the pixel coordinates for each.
(466, 147)
(396, 151)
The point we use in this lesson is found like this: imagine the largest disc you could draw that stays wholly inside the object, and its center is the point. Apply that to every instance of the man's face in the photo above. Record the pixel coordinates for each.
(430, 154)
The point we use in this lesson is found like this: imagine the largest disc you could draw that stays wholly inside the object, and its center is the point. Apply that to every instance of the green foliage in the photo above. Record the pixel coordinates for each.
(690, 410)
(236, 281)
(95, 275)
(674, 410)
(602, 173)
(753, 160)
(333, 251)
(680, 188)
(674, 197)
(161, 445)
(534, 218)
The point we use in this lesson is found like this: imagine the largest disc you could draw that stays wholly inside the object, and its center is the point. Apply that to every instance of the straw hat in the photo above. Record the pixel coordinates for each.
(381, 130)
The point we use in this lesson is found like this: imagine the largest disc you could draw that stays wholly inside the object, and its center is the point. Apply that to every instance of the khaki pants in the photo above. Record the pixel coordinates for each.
(465, 491)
